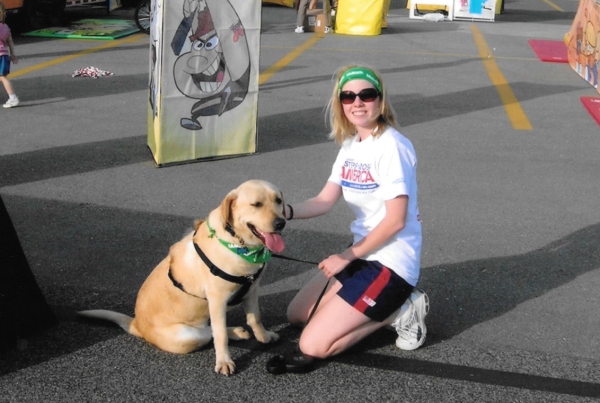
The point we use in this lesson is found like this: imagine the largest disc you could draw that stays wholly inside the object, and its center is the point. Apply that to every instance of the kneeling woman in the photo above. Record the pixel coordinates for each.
(372, 283)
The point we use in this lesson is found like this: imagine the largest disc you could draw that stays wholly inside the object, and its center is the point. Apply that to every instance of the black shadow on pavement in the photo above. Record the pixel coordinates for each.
(56, 162)
(472, 374)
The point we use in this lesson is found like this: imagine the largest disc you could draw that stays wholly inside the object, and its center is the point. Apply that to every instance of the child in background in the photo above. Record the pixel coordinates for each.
(7, 54)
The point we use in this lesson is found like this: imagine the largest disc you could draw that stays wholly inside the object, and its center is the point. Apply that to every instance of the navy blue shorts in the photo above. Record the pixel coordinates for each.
(4, 65)
(373, 289)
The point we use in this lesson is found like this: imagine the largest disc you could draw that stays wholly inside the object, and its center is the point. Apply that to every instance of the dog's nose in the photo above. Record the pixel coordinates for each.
(279, 224)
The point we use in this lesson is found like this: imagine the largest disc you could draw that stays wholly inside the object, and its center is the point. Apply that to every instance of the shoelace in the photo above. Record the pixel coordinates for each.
(404, 324)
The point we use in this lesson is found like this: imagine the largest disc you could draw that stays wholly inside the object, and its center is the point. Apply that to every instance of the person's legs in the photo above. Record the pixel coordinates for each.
(7, 85)
(12, 97)
(301, 12)
(335, 327)
(341, 321)
(327, 334)
(301, 306)
(327, 11)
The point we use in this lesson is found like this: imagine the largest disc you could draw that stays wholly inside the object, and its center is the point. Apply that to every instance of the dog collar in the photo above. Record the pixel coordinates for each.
(256, 254)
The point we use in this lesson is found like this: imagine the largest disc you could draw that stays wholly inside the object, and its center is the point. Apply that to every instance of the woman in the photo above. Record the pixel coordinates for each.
(372, 283)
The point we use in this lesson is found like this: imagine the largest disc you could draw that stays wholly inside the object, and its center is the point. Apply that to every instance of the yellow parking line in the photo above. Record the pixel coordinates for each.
(40, 66)
(515, 113)
(554, 6)
(287, 59)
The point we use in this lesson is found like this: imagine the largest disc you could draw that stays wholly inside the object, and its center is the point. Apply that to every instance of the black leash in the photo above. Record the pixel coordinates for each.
(312, 312)
(294, 259)
(296, 362)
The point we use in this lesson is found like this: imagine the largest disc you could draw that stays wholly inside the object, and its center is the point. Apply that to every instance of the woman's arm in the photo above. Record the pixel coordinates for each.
(395, 218)
(319, 204)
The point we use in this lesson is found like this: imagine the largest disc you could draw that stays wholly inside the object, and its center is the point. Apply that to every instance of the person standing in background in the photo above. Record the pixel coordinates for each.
(303, 6)
(7, 55)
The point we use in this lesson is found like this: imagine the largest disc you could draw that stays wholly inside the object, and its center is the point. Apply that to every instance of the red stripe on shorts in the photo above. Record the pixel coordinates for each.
(374, 290)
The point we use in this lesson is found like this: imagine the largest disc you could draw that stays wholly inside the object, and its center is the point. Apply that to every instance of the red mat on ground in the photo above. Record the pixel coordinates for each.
(550, 51)
(593, 107)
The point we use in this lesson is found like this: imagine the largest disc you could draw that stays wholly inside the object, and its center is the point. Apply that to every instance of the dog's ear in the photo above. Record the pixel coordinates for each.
(227, 206)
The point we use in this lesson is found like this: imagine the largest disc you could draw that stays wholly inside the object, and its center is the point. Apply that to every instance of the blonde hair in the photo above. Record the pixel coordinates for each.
(341, 128)
(2, 12)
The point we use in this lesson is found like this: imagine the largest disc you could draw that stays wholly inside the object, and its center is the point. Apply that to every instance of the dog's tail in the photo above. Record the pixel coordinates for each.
(120, 319)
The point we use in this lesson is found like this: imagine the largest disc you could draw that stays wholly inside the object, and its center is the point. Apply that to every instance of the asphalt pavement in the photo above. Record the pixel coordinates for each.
(510, 214)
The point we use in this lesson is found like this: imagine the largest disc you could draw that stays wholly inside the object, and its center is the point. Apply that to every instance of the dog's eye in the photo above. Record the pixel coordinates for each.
(278, 200)
(258, 204)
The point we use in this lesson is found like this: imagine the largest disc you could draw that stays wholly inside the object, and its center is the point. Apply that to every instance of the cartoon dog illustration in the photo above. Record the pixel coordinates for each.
(216, 68)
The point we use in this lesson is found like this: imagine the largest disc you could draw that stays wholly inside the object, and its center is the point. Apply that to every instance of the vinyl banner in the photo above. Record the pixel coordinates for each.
(582, 41)
(204, 66)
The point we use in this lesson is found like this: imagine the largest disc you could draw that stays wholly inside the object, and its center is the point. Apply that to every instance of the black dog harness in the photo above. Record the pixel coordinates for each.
(244, 281)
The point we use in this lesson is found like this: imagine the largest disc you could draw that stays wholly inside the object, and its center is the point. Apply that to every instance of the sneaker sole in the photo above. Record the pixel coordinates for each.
(416, 345)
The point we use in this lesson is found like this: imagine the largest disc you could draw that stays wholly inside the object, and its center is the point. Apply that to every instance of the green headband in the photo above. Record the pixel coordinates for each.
(359, 73)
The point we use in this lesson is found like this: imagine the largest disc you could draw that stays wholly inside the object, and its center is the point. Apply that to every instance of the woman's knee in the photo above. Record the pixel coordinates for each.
(313, 346)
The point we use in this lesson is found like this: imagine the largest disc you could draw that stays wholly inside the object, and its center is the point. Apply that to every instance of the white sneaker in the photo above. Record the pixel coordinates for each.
(328, 30)
(410, 325)
(299, 30)
(11, 103)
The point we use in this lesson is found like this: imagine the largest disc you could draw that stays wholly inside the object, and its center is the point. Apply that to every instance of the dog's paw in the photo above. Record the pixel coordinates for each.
(238, 333)
(225, 367)
(268, 337)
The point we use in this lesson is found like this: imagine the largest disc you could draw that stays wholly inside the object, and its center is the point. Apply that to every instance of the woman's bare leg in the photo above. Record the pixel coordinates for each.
(335, 327)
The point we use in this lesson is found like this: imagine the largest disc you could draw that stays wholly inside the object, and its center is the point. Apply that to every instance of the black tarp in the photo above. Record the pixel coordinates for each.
(23, 308)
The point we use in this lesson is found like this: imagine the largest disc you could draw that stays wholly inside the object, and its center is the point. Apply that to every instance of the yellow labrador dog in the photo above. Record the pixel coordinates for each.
(209, 271)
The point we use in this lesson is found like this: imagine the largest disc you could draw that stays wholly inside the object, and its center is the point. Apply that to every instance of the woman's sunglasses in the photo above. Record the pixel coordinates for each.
(366, 95)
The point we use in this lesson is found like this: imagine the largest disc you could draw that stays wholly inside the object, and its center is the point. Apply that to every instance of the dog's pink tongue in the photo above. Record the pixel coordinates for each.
(274, 242)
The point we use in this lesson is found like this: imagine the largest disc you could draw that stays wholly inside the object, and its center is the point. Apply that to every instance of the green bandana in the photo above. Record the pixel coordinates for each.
(359, 73)
(256, 254)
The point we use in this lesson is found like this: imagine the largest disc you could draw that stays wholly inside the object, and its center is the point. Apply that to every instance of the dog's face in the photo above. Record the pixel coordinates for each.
(255, 212)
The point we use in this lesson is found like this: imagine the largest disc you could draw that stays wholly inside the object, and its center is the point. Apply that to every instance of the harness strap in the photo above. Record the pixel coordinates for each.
(244, 281)
(179, 285)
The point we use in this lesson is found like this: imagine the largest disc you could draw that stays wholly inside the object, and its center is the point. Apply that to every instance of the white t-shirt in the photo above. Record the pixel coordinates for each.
(371, 172)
